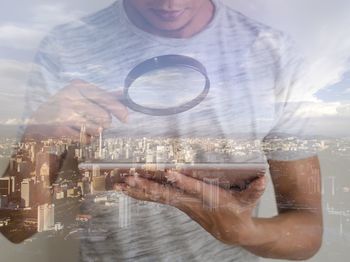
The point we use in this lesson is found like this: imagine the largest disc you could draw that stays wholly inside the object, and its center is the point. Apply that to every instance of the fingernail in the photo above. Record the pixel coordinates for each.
(261, 183)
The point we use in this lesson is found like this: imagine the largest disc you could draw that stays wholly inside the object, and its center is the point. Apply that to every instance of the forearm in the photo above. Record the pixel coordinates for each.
(292, 235)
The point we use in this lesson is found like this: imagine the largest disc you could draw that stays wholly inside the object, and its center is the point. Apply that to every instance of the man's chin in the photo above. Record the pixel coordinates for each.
(174, 29)
(170, 27)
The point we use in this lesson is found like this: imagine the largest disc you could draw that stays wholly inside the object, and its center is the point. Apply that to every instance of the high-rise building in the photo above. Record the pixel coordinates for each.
(46, 167)
(96, 171)
(13, 164)
(27, 193)
(23, 168)
(83, 142)
(46, 217)
(211, 193)
(127, 151)
(83, 135)
(7, 185)
(160, 154)
(150, 157)
(84, 186)
(3, 201)
(98, 183)
(33, 152)
(100, 131)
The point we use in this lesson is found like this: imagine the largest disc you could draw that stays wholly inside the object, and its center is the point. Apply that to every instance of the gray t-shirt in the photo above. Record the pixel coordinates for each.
(253, 71)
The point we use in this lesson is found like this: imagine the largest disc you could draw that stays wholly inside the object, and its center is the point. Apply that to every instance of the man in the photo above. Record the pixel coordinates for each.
(253, 71)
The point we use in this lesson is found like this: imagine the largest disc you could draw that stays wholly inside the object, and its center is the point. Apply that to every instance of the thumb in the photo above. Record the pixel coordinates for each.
(254, 191)
(109, 101)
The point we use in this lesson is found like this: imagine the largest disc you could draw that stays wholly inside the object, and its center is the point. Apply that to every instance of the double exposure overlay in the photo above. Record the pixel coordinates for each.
(183, 130)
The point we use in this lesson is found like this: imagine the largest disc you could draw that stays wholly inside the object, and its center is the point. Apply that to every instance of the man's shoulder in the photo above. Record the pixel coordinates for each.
(252, 29)
(87, 26)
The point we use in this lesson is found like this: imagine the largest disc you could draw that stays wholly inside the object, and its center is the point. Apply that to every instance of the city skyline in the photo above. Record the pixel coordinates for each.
(76, 198)
(82, 205)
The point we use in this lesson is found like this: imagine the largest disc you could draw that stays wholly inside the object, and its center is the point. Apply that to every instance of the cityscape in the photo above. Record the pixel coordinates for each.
(44, 190)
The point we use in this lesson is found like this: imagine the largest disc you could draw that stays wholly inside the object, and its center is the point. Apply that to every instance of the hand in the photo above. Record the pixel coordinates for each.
(76, 104)
(226, 214)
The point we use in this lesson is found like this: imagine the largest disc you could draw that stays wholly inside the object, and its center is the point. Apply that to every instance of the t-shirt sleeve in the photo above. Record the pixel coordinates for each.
(291, 136)
(43, 79)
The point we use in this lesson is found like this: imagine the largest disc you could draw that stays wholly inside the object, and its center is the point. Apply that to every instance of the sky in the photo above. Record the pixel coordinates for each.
(320, 29)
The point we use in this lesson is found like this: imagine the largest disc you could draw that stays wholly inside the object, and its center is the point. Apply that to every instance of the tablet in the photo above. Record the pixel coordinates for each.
(232, 175)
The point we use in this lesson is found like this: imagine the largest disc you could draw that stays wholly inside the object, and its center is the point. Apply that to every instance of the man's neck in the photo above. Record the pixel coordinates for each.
(197, 24)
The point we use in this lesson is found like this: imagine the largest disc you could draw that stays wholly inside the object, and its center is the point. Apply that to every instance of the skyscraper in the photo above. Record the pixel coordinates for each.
(98, 183)
(211, 193)
(7, 185)
(46, 167)
(27, 193)
(83, 142)
(96, 170)
(83, 135)
(3, 201)
(100, 131)
(46, 217)
(33, 152)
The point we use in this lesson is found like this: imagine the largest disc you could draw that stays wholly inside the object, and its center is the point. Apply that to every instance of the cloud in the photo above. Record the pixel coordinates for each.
(13, 77)
(344, 110)
(318, 109)
(48, 15)
(324, 35)
(27, 35)
(20, 37)
(324, 109)
(13, 121)
(319, 27)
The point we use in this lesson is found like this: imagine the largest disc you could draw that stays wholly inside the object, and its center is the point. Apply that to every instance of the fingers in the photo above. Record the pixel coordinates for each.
(70, 109)
(188, 184)
(147, 190)
(144, 189)
(213, 196)
(106, 100)
(208, 192)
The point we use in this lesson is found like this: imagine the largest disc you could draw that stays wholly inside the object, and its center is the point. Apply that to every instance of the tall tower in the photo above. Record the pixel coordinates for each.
(83, 141)
(100, 131)
(83, 136)
(46, 217)
(51, 166)
(27, 194)
(7, 185)
(211, 193)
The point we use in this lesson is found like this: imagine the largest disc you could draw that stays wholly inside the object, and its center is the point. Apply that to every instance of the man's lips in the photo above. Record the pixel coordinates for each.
(168, 15)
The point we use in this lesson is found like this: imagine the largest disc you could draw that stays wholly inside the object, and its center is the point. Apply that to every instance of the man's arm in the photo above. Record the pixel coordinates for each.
(61, 116)
(296, 232)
